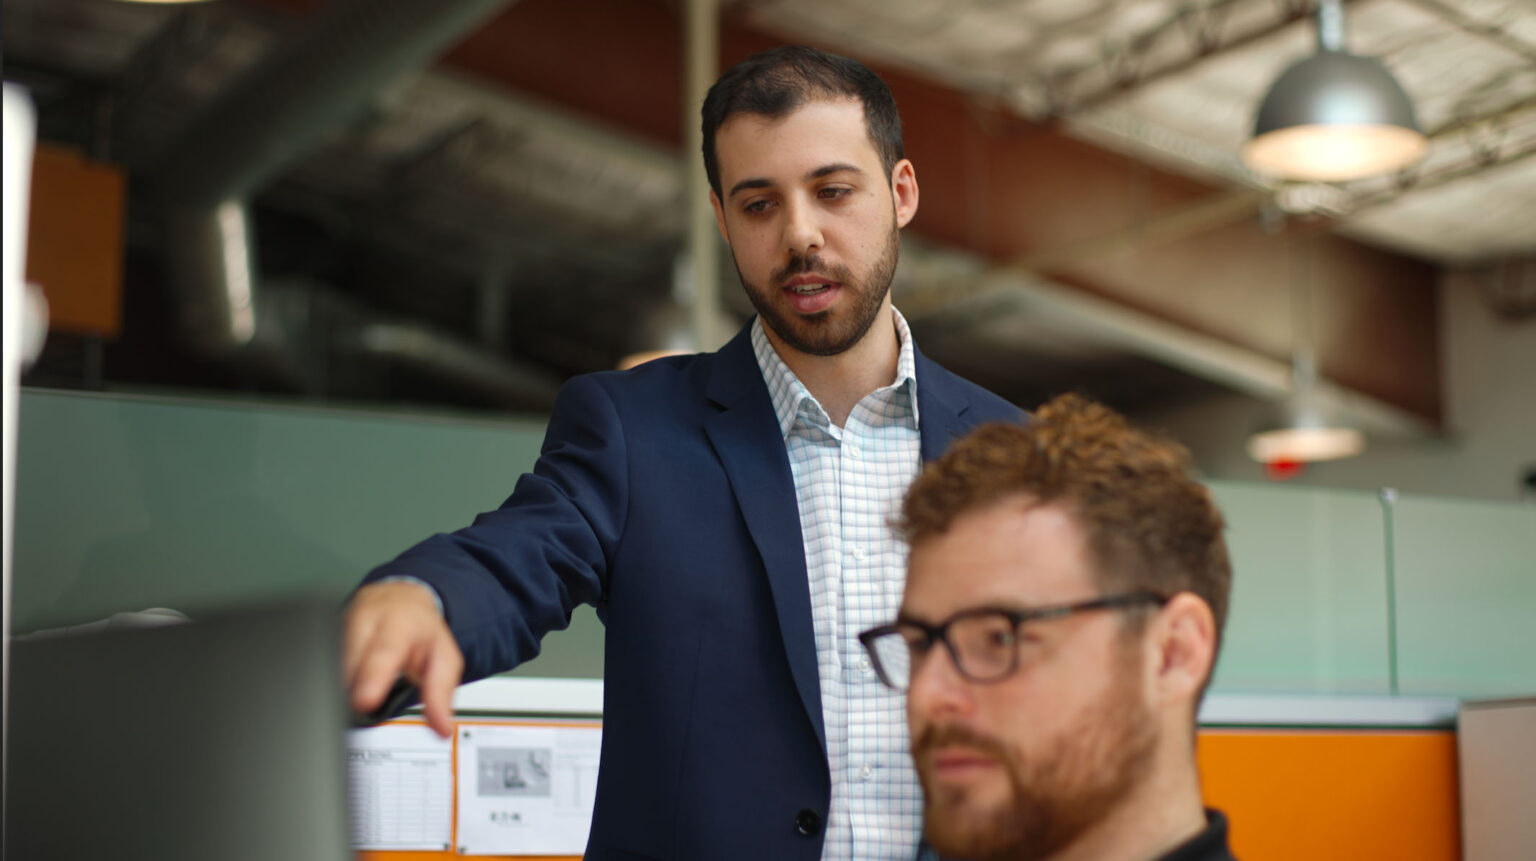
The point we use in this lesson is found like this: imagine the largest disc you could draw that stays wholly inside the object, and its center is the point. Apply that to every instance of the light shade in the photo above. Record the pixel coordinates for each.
(1332, 117)
(1305, 444)
(1309, 431)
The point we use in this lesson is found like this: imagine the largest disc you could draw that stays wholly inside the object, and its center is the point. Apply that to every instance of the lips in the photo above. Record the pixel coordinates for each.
(960, 765)
(956, 757)
(811, 293)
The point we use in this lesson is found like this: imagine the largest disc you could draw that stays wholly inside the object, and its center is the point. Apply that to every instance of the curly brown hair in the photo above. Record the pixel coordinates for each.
(1148, 524)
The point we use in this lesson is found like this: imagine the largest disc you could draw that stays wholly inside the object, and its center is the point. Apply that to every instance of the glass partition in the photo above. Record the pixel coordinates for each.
(1466, 597)
(125, 503)
(1308, 611)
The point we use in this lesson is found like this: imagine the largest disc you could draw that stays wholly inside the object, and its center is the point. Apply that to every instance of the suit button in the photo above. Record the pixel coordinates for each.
(808, 822)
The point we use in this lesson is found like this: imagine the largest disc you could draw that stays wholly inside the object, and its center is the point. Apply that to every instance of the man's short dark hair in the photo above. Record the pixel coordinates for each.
(776, 82)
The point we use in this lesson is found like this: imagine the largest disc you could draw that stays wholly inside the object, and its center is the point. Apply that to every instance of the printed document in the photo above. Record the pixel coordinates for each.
(526, 789)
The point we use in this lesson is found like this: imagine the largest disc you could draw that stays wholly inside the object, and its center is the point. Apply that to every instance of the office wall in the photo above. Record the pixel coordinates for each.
(125, 503)
(1489, 375)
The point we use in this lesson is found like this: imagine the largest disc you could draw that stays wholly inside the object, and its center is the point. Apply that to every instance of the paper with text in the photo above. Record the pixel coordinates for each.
(400, 788)
(526, 790)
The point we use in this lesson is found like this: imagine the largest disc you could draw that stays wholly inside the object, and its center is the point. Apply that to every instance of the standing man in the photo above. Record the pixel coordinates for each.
(727, 513)
(1077, 580)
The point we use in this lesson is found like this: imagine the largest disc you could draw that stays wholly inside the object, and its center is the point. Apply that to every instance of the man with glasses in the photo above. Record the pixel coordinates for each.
(1063, 609)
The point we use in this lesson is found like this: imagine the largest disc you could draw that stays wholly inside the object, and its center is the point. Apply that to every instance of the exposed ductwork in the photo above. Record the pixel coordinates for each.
(276, 112)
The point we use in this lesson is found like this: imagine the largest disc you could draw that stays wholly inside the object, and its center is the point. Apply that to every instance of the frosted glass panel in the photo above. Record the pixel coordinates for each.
(1308, 611)
(127, 503)
(1466, 594)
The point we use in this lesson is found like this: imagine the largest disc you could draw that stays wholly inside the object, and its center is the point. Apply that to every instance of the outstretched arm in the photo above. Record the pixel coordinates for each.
(505, 581)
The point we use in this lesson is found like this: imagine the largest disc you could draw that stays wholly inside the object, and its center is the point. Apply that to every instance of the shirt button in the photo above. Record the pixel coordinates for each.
(853, 450)
(867, 773)
(864, 665)
(858, 552)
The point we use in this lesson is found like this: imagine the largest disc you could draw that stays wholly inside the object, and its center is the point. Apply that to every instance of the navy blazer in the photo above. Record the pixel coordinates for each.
(663, 496)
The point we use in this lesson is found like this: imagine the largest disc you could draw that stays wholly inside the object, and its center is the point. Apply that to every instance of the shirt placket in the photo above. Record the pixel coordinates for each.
(844, 493)
(818, 443)
(862, 600)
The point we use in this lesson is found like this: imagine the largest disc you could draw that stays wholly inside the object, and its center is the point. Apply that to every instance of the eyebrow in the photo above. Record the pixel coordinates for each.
(818, 173)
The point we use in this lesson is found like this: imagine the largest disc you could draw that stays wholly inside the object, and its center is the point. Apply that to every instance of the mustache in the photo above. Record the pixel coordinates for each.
(810, 265)
(944, 735)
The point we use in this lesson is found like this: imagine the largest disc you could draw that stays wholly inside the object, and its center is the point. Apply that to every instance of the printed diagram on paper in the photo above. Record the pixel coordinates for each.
(400, 788)
(526, 790)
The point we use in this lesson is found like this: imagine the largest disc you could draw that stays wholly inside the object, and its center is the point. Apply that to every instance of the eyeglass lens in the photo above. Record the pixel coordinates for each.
(983, 646)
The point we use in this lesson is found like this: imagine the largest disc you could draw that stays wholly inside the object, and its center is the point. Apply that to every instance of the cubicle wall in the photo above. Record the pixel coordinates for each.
(125, 503)
(1350, 592)
(1497, 746)
(128, 502)
(1335, 794)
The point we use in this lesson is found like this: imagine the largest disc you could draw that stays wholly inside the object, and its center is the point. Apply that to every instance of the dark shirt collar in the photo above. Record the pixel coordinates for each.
(1208, 845)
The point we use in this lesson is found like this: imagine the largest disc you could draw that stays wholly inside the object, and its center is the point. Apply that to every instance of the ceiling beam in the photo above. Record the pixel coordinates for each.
(1007, 190)
(1240, 369)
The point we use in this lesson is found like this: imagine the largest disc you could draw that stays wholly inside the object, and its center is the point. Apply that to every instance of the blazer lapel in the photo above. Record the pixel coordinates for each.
(940, 411)
(750, 445)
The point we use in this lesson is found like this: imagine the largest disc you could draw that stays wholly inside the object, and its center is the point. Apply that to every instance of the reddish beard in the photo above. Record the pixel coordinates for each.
(1055, 794)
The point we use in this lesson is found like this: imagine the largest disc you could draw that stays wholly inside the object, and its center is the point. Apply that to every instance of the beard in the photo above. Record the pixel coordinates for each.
(835, 330)
(1056, 794)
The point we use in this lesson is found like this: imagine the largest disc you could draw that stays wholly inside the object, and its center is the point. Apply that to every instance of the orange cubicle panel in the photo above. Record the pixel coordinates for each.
(1335, 794)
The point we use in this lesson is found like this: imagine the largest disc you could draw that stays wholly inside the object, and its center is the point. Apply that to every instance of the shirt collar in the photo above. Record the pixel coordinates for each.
(788, 393)
(1208, 845)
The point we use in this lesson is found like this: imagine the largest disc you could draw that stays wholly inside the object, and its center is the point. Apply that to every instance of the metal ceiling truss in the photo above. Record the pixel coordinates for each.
(1494, 33)
(1196, 31)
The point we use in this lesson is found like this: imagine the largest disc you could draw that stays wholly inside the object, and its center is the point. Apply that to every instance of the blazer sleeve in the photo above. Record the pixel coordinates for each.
(519, 571)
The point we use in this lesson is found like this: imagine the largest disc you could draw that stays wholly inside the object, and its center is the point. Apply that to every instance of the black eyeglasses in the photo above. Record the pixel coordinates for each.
(982, 642)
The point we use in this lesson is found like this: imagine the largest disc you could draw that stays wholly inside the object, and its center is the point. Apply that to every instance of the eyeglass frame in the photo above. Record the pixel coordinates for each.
(1018, 618)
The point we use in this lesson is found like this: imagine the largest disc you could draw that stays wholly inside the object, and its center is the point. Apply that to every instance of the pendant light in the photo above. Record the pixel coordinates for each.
(1334, 116)
(1308, 431)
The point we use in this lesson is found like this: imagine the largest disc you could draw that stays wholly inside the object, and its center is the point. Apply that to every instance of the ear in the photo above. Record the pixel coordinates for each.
(904, 191)
(1184, 643)
(714, 200)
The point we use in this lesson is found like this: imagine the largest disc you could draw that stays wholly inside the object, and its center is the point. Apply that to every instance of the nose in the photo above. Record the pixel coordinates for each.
(936, 689)
(802, 228)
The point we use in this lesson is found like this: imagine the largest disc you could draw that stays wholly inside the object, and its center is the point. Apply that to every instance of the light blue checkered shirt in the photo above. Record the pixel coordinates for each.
(849, 482)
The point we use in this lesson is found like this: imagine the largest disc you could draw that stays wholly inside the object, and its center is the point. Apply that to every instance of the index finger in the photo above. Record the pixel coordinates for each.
(444, 668)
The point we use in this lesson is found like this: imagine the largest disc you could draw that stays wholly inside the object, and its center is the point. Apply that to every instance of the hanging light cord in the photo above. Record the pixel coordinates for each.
(1330, 26)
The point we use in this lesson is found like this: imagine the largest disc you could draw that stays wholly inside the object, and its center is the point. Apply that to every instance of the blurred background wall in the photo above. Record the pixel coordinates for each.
(317, 269)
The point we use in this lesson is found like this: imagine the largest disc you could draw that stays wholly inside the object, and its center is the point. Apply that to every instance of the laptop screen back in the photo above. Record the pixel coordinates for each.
(221, 738)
